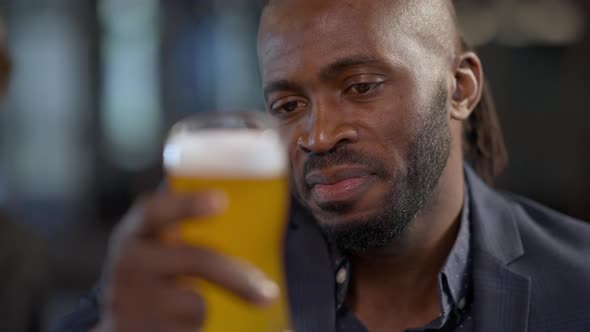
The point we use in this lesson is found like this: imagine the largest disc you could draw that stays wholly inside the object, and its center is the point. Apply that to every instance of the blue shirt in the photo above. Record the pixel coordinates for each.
(454, 286)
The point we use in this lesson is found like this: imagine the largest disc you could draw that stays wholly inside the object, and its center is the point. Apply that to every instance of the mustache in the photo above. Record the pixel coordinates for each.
(341, 155)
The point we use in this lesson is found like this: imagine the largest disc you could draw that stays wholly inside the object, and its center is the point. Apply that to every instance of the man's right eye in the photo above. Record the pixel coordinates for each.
(285, 107)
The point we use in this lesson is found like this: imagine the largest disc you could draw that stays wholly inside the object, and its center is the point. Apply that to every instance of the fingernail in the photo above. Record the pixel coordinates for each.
(268, 289)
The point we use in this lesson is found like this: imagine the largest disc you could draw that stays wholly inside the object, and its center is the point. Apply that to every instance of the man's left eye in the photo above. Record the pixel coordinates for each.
(363, 88)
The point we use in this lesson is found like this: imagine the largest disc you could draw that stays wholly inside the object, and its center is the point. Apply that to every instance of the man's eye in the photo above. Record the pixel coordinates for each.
(288, 107)
(363, 88)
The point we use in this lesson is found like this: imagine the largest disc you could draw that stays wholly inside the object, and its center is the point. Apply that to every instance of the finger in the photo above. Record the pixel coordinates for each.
(179, 326)
(136, 262)
(182, 304)
(155, 212)
(238, 277)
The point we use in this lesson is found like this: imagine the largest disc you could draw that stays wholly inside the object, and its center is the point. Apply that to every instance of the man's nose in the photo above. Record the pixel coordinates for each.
(326, 128)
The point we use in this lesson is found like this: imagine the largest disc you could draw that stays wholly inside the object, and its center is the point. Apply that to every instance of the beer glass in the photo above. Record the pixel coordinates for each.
(241, 154)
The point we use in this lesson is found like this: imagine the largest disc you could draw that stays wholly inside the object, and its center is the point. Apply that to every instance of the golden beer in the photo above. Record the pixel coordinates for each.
(249, 166)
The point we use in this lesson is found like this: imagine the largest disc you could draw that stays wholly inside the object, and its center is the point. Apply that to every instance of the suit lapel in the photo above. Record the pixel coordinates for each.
(310, 276)
(501, 297)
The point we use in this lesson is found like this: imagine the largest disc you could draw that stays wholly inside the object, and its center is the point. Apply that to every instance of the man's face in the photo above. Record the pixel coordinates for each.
(361, 98)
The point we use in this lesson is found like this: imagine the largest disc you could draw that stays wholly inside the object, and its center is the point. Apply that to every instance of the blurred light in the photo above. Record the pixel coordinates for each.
(49, 99)
(521, 23)
(236, 63)
(478, 20)
(131, 114)
(551, 22)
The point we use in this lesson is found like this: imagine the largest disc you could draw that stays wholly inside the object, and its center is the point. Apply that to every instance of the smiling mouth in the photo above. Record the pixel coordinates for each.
(338, 185)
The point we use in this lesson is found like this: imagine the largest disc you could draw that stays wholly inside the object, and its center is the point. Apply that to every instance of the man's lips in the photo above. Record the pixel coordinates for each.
(338, 184)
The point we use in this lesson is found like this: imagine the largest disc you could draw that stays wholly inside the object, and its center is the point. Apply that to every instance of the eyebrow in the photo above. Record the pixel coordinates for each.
(281, 85)
(327, 73)
(336, 68)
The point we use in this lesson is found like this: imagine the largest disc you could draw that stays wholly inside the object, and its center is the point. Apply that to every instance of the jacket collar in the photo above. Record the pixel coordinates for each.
(501, 296)
(494, 225)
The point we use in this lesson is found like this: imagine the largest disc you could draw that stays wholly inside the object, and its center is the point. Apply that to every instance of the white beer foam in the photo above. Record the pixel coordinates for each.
(241, 153)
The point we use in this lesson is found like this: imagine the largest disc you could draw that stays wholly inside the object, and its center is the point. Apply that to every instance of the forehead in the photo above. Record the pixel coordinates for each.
(302, 33)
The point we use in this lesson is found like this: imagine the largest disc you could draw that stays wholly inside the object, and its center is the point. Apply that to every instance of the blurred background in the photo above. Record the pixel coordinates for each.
(96, 83)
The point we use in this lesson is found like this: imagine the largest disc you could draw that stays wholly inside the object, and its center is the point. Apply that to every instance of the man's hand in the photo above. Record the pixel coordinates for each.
(142, 291)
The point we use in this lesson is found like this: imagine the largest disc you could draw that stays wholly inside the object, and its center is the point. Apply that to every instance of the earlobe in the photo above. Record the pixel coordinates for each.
(468, 84)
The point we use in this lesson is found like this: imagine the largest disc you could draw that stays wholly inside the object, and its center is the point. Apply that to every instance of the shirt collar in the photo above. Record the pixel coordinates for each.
(456, 271)
(454, 278)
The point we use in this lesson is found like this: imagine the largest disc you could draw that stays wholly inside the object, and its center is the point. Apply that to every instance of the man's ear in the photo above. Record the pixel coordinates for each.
(468, 86)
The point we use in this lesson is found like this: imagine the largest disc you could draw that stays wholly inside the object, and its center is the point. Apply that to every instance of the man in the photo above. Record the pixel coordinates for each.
(379, 102)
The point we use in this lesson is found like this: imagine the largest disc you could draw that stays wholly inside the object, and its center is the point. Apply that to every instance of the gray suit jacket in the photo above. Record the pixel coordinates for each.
(531, 269)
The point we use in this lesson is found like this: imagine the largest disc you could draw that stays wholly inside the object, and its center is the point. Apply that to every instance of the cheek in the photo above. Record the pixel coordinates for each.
(392, 113)
(290, 138)
(389, 123)
(387, 133)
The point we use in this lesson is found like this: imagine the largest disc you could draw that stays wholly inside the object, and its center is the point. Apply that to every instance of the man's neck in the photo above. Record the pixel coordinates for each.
(396, 287)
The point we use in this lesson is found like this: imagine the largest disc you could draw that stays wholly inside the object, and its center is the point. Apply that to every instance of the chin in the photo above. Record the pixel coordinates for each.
(349, 215)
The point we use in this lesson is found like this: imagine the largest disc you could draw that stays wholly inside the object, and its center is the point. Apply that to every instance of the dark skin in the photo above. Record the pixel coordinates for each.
(359, 74)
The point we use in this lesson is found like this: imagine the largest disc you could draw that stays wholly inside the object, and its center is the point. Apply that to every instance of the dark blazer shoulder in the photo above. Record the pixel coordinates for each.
(551, 236)
(531, 264)
(557, 262)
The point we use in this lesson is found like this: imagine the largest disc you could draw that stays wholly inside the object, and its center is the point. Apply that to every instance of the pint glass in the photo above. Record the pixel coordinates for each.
(242, 155)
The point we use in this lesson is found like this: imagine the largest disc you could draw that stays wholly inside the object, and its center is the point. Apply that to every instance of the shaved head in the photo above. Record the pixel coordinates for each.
(431, 21)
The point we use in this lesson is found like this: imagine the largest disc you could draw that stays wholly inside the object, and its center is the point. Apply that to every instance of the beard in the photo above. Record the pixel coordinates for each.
(429, 151)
